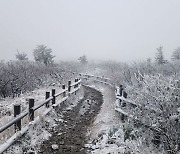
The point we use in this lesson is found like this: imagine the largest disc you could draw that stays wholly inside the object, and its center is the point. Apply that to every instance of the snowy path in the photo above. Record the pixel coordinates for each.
(107, 123)
(70, 134)
(80, 125)
(107, 116)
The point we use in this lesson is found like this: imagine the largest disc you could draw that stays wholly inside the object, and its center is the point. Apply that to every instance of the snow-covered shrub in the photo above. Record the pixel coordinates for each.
(158, 100)
(156, 90)
(17, 77)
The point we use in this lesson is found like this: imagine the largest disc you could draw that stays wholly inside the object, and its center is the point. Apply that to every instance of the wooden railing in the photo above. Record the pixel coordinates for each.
(125, 106)
(122, 101)
(99, 79)
(65, 92)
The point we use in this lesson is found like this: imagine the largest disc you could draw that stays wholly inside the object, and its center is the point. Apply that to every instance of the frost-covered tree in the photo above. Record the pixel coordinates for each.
(159, 56)
(43, 55)
(21, 56)
(176, 54)
(83, 59)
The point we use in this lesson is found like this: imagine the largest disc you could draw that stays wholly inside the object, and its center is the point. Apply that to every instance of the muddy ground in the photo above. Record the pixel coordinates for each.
(70, 133)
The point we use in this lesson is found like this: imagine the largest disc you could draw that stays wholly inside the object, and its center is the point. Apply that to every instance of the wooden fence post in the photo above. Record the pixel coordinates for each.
(120, 90)
(64, 93)
(69, 86)
(123, 118)
(31, 111)
(17, 111)
(54, 98)
(125, 96)
(77, 84)
(47, 96)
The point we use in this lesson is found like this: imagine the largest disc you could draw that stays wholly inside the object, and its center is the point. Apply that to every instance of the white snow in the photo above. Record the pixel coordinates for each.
(40, 129)
(54, 146)
(106, 136)
(6, 108)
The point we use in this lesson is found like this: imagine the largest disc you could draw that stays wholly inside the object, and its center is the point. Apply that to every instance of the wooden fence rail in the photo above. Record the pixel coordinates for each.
(18, 116)
(122, 102)
(99, 79)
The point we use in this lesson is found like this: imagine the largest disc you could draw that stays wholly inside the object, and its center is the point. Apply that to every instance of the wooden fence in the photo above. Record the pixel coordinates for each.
(99, 79)
(123, 105)
(50, 102)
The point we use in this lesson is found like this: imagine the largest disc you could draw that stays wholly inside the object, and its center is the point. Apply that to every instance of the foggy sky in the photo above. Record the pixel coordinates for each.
(121, 30)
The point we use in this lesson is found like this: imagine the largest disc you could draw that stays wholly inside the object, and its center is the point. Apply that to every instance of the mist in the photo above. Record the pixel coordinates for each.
(101, 29)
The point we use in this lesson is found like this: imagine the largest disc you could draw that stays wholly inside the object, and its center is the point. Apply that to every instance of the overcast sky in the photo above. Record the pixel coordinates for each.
(121, 30)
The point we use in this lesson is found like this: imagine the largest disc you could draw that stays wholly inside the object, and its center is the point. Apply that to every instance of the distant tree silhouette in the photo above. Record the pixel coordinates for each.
(43, 54)
(21, 56)
(83, 59)
(176, 54)
(159, 56)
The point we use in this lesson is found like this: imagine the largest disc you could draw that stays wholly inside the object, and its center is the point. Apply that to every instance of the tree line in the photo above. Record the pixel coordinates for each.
(43, 54)
(160, 59)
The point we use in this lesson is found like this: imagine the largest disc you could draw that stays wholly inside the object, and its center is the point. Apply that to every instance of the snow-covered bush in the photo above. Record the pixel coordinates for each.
(158, 100)
(156, 90)
(17, 77)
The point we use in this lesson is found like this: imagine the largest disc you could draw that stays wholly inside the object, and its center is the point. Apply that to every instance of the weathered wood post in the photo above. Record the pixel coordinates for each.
(125, 96)
(69, 86)
(53, 95)
(78, 83)
(31, 111)
(121, 90)
(75, 82)
(64, 93)
(47, 96)
(123, 117)
(75, 86)
(17, 111)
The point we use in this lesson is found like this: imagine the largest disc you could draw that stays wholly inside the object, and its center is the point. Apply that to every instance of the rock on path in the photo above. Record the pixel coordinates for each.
(70, 134)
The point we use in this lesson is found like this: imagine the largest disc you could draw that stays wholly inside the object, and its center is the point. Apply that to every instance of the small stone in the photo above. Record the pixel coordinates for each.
(87, 145)
(61, 142)
(30, 152)
(54, 146)
(59, 134)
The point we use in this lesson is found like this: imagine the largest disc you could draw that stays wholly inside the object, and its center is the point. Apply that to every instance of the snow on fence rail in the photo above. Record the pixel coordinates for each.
(99, 79)
(121, 95)
(122, 102)
(72, 88)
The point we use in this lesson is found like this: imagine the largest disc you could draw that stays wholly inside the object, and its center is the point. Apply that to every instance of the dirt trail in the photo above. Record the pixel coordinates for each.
(70, 135)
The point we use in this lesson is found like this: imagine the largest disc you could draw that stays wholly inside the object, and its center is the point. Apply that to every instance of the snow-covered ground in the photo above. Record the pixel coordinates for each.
(106, 135)
(7, 111)
(41, 130)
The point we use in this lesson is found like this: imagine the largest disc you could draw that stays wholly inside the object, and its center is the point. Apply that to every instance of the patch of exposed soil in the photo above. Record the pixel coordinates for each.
(70, 134)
